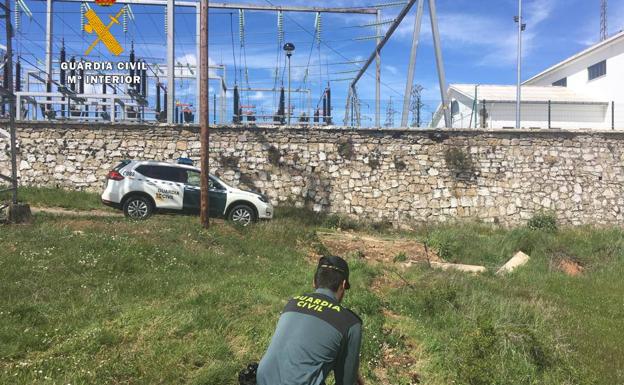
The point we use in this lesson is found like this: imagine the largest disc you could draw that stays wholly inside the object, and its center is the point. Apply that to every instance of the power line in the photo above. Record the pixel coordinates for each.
(233, 53)
(335, 51)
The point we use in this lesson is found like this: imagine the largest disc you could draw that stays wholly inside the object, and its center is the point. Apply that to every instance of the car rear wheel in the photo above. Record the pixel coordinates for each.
(138, 208)
(242, 215)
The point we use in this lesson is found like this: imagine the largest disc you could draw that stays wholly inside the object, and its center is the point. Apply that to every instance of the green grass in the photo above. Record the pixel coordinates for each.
(52, 197)
(106, 301)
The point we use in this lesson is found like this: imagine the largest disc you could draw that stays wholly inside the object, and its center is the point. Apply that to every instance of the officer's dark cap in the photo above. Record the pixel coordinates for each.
(335, 263)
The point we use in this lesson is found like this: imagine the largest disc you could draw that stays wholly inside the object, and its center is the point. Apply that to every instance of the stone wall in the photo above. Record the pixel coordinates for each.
(382, 175)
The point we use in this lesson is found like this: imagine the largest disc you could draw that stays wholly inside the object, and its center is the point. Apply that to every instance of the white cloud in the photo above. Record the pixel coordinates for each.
(494, 37)
(258, 95)
(392, 69)
(191, 58)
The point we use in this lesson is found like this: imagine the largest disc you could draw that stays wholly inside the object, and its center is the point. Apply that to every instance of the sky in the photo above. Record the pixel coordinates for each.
(478, 45)
(147, 31)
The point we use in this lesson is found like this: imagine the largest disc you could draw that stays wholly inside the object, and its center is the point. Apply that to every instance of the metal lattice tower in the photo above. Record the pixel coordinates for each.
(357, 104)
(416, 104)
(603, 21)
(390, 111)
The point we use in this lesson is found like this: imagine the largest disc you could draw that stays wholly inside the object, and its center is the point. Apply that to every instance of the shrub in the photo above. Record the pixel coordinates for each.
(374, 163)
(438, 299)
(458, 161)
(401, 257)
(345, 149)
(341, 222)
(399, 164)
(274, 156)
(230, 161)
(544, 222)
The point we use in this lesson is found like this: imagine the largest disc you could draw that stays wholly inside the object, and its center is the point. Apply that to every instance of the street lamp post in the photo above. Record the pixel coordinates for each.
(289, 48)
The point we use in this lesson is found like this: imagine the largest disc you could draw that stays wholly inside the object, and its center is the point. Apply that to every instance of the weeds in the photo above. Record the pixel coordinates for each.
(104, 300)
(543, 222)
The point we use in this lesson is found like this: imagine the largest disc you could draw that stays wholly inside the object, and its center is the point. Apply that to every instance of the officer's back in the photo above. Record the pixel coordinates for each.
(315, 335)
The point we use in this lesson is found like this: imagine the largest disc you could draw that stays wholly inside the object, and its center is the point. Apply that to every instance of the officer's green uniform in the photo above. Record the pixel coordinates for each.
(314, 336)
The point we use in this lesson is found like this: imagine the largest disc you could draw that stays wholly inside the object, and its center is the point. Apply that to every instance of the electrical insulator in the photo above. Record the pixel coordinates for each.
(319, 26)
(280, 27)
(166, 22)
(18, 16)
(241, 26)
(124, 20)
(83, 9)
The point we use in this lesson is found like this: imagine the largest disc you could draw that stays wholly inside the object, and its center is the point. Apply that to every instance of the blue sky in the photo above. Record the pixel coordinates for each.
(146, 30)
(478, 40)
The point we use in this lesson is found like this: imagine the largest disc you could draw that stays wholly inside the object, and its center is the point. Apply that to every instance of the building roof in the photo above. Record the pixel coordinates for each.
(603, 44)
(505, 93)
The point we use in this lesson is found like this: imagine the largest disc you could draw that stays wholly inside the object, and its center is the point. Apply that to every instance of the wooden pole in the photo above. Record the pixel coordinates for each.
(8, 85)
(204, 113)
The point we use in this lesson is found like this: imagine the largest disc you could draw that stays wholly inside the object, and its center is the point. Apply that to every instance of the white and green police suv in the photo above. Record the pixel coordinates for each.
(141, 188)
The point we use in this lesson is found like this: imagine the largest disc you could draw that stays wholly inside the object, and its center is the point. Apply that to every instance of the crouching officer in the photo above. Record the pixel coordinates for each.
(315, 335)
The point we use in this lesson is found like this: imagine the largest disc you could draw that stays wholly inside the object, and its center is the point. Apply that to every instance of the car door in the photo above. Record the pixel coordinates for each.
(192, 192)
(165, 184)
(217, 194)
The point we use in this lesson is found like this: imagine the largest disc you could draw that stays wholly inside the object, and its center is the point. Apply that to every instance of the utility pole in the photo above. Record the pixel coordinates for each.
(18, 213)
(378, 72)
(410, 71)
(8, 85)
(171, 61)
(289, 48)
(437, 46)
(204, 115)
(521, 27)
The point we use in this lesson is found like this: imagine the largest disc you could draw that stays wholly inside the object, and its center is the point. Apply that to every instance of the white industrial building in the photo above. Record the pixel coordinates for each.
(585, 91)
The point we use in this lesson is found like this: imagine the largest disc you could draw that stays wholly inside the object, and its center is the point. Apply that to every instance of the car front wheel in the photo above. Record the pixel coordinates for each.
(138, 208)
(242, 215)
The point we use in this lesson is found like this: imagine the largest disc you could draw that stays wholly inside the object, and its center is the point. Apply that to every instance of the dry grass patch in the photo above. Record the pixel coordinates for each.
(569, 267)
(376, 249)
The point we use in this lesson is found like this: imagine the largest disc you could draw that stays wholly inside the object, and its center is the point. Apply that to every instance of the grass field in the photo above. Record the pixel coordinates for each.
(106, 301)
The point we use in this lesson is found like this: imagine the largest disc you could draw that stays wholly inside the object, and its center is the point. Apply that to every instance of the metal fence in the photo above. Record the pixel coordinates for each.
(538, 115)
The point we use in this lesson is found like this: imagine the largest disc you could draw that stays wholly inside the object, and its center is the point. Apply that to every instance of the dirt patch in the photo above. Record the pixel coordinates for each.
(79, 225)
(374, 249)
(84, 213)
(385, 282)
(570, 267)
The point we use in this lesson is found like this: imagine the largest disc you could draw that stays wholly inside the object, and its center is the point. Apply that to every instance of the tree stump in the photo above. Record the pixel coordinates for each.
(20, 213)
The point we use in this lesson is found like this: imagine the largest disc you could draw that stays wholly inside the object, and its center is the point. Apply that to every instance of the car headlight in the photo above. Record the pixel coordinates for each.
(263, 198)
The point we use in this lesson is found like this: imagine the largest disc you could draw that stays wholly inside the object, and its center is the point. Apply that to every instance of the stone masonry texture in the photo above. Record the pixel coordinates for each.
(401, 176)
